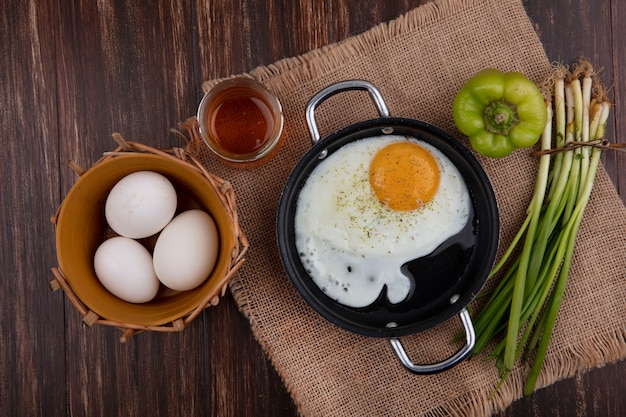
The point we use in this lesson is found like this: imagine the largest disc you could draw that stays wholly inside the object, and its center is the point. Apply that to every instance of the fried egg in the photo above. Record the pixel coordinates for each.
(370, 207)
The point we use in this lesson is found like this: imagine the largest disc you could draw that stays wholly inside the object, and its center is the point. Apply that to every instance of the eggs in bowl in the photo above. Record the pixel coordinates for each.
(370, 207)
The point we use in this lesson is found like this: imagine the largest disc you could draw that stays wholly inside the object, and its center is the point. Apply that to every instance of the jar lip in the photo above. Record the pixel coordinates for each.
(274, 106)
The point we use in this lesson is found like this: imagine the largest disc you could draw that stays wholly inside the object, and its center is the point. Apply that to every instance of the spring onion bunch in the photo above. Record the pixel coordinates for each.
(521, 311)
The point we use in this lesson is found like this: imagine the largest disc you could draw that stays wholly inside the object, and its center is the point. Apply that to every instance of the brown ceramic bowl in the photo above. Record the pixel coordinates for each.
(81, 227)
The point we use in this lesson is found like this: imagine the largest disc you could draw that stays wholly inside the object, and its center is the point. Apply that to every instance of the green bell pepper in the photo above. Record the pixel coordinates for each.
(500, 112)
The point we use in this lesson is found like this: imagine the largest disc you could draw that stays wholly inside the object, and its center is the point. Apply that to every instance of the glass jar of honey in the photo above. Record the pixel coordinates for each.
(241, 121)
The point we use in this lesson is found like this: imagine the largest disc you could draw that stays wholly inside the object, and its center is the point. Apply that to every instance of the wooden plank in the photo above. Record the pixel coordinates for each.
(616, 163)
(236, 37)
(572, 29)
(127, 67)
(32, 347)
(242, 381)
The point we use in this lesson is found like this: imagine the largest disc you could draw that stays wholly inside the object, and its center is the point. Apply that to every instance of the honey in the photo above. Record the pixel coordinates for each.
(241, 122)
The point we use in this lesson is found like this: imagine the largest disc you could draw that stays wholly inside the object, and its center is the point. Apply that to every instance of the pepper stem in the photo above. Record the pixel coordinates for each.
(500, 117)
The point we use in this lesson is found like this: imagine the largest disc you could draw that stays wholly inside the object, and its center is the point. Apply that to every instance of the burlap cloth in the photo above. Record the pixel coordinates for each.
(418, 61)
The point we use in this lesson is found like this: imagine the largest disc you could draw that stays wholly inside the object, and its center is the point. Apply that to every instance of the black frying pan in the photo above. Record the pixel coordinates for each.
(444, 282)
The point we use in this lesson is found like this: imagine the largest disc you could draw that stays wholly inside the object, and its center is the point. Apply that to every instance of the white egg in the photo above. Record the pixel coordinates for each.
(352, 244)
(125, 268)
(140, 204)
(186, 250)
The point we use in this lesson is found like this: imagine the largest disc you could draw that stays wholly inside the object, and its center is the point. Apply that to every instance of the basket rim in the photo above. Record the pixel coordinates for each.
(224, 191)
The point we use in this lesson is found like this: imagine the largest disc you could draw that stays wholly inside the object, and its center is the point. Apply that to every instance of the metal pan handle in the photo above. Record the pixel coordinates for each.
(337, 88)
(470, 341)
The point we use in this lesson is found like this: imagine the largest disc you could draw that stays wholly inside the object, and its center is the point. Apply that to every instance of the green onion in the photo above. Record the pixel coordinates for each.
(519, 316)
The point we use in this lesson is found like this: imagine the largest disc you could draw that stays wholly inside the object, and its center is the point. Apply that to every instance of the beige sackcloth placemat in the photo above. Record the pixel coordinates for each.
(418, 61)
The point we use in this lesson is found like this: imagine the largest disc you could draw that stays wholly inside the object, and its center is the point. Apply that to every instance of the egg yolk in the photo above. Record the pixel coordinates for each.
(404, 176)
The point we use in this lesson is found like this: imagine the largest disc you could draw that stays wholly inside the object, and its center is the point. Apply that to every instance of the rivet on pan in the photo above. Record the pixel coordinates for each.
(454, 298)
(387, 130)
(323, 154)
(392, 324)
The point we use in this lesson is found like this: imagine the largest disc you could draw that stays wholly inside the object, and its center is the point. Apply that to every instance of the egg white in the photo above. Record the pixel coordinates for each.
(351, 244)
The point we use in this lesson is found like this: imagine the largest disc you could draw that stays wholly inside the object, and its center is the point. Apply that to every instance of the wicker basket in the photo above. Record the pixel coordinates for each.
(80, 227)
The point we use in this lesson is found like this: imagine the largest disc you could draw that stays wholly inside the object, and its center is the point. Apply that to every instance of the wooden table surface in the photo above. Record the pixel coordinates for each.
(75, 71)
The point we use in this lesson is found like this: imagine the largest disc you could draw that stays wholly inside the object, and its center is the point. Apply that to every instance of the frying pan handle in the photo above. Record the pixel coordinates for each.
(470, 337)
(337, 88)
